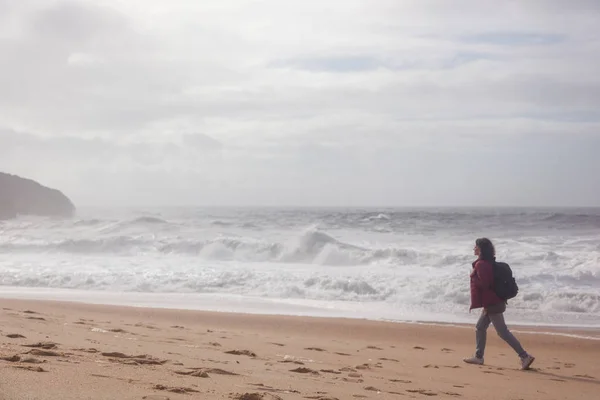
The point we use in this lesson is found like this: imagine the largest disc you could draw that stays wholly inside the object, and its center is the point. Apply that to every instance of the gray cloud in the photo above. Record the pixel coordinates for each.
(72, 22)
(299, 104)
(202, 141)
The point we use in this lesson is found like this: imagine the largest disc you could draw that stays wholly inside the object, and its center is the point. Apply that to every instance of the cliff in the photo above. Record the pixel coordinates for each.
(19, 196)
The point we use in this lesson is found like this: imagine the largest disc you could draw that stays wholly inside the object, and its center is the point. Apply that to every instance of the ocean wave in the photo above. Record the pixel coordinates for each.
(88, 222)
(404, 259)
(147, 220)
(311, 246)
(572, 218)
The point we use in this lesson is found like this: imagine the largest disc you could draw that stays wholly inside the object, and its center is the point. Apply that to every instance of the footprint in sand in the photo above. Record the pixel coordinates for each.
(400, 381)
(389, 359)
(91, 351)
(374, 348)
(453, 394)
(584, 376)
(343, 354)
(303, 370)
(155, 397)
(42, 345)
(445, 350)
(419, 348)
(181, 390)
(147, 326)
(256, 396)
(397, 393)
(249, 396)
(14, 358)
(424, 392)
(314, 349)
(215, 371)
(331, 371)
(133, 360)
(32, 360)
(372, 389)
(241, 353)
(29, 368)
(45, 353)
(291, 362)
(197, 374)
(278, 344)
(431, 366)
(37, 318)
(15, 336)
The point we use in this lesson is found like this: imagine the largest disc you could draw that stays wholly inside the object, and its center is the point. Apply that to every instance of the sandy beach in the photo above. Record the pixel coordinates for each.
(54, 350)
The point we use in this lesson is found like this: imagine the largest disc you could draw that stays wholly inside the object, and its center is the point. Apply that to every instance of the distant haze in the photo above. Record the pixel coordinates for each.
(329, 103)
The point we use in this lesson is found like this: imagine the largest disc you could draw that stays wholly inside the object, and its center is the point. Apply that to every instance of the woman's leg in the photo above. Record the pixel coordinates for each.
(505, 334)
(481, 334)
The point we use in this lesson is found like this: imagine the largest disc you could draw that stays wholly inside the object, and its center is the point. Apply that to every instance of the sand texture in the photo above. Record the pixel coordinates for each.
(52, 350)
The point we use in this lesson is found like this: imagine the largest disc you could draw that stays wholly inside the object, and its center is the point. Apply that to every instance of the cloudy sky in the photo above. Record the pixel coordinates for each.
(301, 102)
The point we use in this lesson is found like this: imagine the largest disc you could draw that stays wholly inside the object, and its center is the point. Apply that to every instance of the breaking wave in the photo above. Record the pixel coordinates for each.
(311, 246)
(406, 259)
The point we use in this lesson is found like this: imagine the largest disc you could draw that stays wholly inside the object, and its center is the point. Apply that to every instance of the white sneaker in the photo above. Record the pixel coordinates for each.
(527, 361)
(473, 360)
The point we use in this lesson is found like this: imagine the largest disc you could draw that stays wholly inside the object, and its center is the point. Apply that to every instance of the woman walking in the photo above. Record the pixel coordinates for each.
(483, 296)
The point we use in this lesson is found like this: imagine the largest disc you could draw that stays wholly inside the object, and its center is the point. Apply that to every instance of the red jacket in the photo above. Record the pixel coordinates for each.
(482, 283)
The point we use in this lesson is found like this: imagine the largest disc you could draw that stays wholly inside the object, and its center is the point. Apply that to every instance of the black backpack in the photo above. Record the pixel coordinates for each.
(505, 285)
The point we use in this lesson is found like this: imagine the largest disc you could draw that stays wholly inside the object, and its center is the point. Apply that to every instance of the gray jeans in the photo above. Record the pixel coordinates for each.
(498, 320)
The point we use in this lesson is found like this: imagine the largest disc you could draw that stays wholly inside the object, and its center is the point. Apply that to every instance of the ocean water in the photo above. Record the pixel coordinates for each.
(393, 264)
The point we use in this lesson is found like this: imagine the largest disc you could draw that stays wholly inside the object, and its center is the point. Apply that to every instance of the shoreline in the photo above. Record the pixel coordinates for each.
(572, 331)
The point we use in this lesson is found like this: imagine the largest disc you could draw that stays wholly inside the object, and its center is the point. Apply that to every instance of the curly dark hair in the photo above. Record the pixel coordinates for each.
(486, 248)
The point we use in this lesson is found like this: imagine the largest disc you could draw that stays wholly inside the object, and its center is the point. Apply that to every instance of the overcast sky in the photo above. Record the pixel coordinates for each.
(301, 102)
